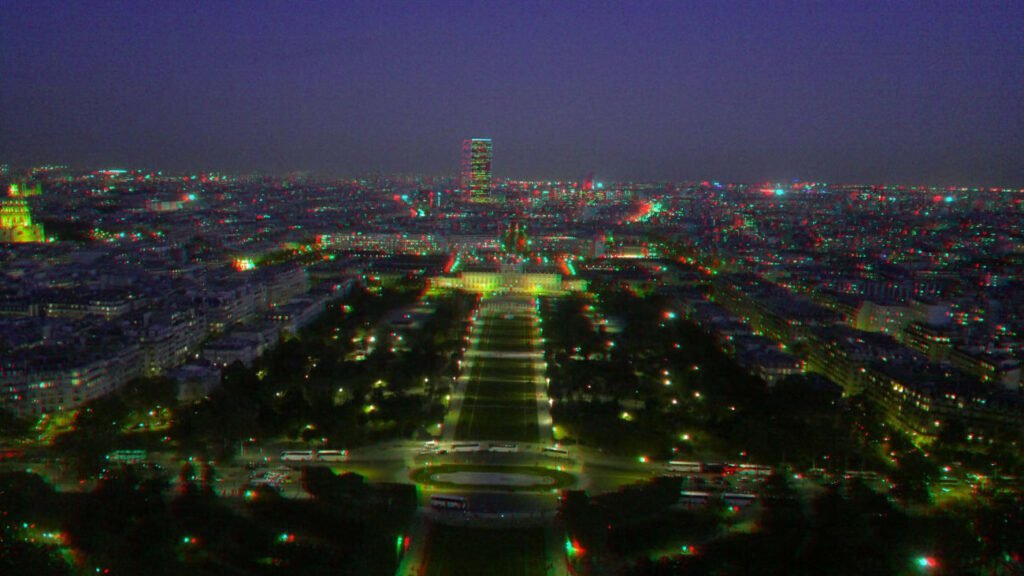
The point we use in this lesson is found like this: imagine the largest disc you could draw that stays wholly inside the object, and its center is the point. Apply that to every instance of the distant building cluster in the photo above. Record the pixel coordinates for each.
(911, 296)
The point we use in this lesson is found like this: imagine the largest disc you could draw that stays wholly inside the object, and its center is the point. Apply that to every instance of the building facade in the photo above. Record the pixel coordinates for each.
(16, 219)
(476, 167)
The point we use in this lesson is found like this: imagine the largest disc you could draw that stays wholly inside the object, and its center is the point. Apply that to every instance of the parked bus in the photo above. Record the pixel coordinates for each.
(127, 456)
(691, 499)
(465, 447)
(555, 451)
(755, 470)
(331, 455)
(862, 474)
(739, 500)
(679, 467)
(448, 503)
(503, 448)
(297, 456)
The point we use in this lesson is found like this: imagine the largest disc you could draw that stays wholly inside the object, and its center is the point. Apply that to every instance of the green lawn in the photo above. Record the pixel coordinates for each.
(500, 334)
(499, 403)
(457, 551)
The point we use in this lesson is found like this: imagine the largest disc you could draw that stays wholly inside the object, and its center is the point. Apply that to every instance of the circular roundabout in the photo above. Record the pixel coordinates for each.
(507, 478)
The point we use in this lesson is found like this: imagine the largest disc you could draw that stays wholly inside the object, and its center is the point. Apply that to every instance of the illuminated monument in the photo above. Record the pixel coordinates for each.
(16, 219)
(514, 240)
(508, 271)
(476, 168)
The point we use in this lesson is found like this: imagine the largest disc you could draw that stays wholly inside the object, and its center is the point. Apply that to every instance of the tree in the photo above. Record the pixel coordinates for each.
(17, 556)
(913, 476)
(26, 496)
(952, 434)
(12, 425)
(781, 515)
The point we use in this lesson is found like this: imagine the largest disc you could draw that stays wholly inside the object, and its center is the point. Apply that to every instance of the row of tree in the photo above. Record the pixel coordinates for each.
(847, 529)
(309, 387)
(132, 524)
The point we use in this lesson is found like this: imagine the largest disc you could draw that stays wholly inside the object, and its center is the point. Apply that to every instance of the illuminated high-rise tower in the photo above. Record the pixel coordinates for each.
(476, 168)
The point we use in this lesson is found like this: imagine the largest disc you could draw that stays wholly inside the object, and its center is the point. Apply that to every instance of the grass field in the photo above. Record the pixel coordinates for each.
(500, 403)
(457, 551)
(512, 338)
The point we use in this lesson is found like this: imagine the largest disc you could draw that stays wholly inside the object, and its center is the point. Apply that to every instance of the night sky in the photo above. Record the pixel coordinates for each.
(912, 92)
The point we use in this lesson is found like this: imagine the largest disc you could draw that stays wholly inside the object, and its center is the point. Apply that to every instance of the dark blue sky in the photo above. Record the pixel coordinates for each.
(912, 92)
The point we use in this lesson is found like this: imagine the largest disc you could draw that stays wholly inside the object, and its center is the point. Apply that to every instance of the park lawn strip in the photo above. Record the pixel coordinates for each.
(499, 402)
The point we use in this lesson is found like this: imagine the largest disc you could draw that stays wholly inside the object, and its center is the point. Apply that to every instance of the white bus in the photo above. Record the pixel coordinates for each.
(691, 499)
(555, 451)
(465, 447)
(503, 448)
(679, 467)
(738, 500)
(448, 503)
(297, 456)
(755, 470)
(331, 455)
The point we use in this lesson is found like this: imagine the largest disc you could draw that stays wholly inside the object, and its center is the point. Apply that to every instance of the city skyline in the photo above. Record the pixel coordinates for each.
(742, 291)
(879, 92)
(685, 362)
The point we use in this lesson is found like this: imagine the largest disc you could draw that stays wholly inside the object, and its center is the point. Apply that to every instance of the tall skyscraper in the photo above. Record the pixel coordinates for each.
(476, 167)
